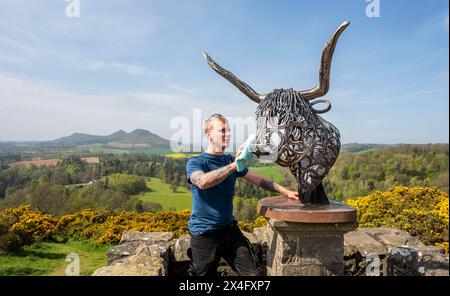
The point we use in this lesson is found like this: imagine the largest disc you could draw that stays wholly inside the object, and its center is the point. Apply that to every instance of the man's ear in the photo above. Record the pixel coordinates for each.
(207, 137)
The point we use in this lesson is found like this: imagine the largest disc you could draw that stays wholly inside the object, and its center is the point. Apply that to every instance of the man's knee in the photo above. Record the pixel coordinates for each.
(203, 262)
(203, 267)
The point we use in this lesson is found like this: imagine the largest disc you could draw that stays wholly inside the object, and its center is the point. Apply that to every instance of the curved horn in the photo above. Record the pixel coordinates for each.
(241, 85)
(325, 64)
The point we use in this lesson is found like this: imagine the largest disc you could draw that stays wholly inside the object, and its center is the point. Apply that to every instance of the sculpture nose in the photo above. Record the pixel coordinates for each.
(259, 145)
(260, 149)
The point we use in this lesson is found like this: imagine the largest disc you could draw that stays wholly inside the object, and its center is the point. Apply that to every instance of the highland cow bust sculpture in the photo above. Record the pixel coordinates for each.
(308, 144)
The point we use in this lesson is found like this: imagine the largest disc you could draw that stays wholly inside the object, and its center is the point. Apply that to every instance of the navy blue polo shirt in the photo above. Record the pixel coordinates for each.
(212, 208)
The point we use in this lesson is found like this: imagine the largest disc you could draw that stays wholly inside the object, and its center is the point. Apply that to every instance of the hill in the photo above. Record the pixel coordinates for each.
(358, 147)
(139, 138)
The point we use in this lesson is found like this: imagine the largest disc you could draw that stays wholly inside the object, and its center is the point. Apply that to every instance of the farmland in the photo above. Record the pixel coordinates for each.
(161, 193)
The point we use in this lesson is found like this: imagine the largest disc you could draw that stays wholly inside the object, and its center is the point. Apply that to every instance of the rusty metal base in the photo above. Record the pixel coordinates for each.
(286, 209)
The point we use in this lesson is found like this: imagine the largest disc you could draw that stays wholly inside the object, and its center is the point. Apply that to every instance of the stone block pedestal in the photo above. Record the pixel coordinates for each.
(305, 239)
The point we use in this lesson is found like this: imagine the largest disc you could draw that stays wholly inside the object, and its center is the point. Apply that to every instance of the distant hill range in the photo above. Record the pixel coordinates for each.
(139, 138)
(358, 147)
(143, 139)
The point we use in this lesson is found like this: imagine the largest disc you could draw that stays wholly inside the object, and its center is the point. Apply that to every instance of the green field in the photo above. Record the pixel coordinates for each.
(45, 258)
(108, 150)
(271, 172)
(151, 151)
(182, 199)
(161, 193)
(100, 148)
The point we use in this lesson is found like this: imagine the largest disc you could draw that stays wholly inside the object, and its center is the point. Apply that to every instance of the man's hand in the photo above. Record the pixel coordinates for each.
(292, 194)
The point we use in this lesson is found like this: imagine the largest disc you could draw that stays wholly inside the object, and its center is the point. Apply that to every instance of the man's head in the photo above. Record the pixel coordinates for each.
(217, 131)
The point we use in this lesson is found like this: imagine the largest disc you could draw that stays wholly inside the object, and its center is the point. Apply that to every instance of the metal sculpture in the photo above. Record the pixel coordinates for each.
(308, 144)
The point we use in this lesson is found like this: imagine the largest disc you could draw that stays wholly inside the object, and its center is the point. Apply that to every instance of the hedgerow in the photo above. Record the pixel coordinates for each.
(423, 212)
(21, 226)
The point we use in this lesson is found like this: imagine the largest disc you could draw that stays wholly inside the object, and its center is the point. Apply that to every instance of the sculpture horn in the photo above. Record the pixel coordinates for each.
(241, 85)
(324, 72)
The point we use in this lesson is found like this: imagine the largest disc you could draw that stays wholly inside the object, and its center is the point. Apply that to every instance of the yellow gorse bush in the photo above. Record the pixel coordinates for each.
(36, 225)
(423, 212)
(22, 226)
(248, 226)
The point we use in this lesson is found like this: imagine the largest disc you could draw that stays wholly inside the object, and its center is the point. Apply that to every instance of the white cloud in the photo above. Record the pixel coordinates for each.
(32, 111)
(115, 66)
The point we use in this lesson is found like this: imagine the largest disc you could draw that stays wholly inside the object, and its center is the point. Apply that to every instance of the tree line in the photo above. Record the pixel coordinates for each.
(117, 178)
(73, 184)
(358, 174)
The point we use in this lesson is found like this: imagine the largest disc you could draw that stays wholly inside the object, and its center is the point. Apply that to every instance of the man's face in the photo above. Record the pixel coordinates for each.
(219, 134)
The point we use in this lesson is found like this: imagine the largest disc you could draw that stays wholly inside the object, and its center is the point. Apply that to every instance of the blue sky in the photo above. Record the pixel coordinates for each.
(138, 64)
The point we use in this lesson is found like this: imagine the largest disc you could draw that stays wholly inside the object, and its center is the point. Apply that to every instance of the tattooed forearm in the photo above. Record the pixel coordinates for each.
(267, 185)
(207, 180)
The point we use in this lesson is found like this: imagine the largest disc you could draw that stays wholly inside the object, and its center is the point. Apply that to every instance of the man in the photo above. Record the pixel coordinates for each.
(214, 231)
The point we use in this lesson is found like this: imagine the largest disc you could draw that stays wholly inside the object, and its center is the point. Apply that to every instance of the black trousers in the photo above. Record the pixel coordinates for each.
(228, 243)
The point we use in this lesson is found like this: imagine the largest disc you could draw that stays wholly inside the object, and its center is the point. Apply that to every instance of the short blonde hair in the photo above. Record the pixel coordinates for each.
(210, 119)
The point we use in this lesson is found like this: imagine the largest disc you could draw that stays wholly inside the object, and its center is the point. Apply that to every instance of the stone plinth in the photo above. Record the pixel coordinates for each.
(305, 239)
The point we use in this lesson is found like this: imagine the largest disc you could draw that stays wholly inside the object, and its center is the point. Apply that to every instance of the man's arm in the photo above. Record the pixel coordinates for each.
(207, 180)
(210, 179)
(269, 185)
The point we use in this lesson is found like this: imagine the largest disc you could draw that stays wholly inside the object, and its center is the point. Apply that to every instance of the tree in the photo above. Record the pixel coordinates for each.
(127, 184)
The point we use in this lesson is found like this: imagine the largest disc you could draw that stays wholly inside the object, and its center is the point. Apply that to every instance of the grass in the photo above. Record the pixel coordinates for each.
(271, 172)
(100, 148)
(152, 151)
(182, 199)
(48, 258)
(161, 193)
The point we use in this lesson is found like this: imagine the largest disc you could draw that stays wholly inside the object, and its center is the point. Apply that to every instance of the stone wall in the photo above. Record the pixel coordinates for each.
(367, 251)
(397, 251)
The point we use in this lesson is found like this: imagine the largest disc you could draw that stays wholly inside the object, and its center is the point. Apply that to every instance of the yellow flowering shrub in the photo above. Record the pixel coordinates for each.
(107, 227)
(111, 230)
(248, 226)
(36, 225)
(423, 212)
(73, 225)
(21, 226)
(10, 241)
